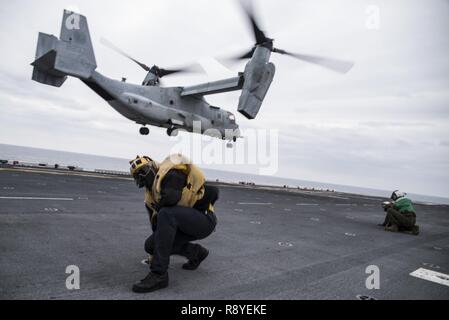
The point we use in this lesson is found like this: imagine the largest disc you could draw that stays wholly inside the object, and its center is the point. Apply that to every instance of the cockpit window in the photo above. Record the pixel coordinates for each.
(231, 117)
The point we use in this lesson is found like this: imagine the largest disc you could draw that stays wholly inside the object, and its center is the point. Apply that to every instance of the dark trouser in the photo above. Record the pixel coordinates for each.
(176, 228)
(401, 220)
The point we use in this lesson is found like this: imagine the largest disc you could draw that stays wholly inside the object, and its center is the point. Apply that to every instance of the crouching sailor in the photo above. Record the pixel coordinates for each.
(401, 215)
(181, 210)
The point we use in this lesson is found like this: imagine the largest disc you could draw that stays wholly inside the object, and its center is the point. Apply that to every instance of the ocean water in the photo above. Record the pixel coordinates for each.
(92, 162)
(50, 157)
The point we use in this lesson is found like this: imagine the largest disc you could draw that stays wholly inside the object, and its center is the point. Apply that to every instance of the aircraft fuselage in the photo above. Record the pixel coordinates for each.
(163, 107)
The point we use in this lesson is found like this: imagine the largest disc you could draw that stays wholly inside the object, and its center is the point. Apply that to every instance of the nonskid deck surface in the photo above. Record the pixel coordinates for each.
(269, 244)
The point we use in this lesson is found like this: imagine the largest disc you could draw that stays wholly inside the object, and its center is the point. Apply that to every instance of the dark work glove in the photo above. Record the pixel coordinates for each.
(157, 207)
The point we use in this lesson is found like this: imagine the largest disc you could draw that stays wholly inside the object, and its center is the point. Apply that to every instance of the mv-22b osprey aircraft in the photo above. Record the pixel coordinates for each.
(173, 108)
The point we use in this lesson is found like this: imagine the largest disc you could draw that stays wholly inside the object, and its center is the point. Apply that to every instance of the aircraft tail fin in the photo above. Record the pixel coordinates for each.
(71, 55)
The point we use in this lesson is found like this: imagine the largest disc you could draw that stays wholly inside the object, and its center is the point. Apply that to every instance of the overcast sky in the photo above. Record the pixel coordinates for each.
(384, 125)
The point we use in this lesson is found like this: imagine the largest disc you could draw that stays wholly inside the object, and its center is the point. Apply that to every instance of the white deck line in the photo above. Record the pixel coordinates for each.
(256, 203)
(36, 198)
(431, 275)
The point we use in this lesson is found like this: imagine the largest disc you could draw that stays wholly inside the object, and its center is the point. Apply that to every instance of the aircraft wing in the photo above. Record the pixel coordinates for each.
(221, 86)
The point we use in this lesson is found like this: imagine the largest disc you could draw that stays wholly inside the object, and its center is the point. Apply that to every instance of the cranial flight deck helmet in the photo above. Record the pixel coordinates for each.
(397, 194)
(141, 167)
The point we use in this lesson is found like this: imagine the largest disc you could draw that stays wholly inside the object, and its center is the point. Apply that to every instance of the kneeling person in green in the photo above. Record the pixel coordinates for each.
(401, 215)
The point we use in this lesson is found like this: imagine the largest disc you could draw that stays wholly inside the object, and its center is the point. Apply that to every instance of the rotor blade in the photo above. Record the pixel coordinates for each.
(247, 55)
(243, 56)
(226, 64)
(110, 45)
(340, 66)
(193, 68)
(167, 72)
(259, 35)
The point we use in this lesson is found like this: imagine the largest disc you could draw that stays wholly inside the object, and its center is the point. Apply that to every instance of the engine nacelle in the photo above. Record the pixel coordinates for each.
(258, 75)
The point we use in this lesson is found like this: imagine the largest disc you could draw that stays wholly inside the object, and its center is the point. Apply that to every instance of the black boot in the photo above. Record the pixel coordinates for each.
(152, 282)
(193, 264)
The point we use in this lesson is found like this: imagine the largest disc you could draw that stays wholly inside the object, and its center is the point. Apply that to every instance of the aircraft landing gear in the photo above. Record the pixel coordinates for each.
(230, 143)
(144, 131)
(172, 132)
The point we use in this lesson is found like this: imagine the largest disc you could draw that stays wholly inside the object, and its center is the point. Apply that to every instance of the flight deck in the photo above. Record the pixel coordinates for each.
(269, 243)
